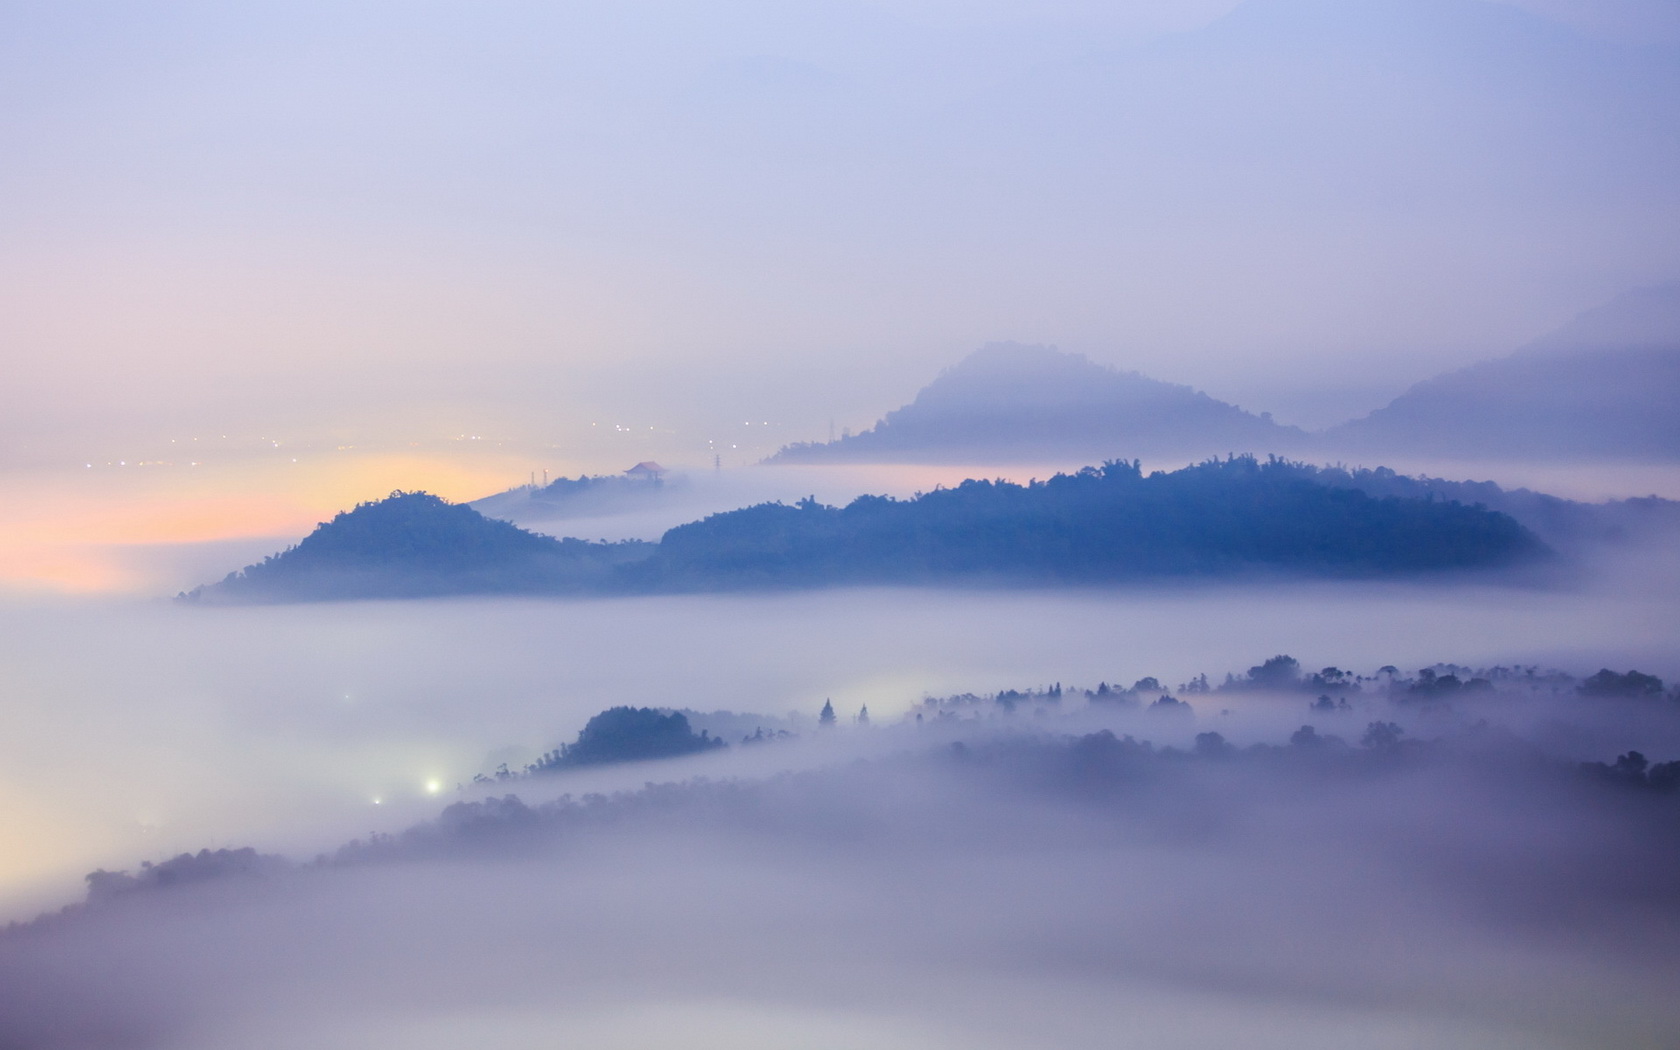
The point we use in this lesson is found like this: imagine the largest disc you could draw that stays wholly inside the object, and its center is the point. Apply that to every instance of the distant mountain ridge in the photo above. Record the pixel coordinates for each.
(1221, 518)
(1009, 401)
(1605, 385)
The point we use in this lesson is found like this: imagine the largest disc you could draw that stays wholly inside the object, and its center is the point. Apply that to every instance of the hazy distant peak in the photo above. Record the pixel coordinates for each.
(1603, 385)
(1007, 356)
(1645, 318)
(1014, 401)
(1021, 374)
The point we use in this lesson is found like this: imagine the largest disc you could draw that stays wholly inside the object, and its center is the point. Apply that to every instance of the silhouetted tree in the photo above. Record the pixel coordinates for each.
(1278, 672)
(1212, 745)
(628, 734)
(1608, 683)
(1381, 736)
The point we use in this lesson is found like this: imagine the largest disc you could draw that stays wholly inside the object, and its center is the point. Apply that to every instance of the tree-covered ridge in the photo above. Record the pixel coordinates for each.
(414, 529)
(1555, 519)
(1102, 524)
(1109, 523)
(413, 544)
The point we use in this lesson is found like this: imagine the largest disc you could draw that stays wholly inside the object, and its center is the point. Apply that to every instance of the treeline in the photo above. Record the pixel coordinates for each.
(1330, 687)
(633, 734)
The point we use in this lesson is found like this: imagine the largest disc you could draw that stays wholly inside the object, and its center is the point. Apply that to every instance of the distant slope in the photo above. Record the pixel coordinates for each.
(581, 497)
(1605, 385)
(1009, 402)
(1221, 518)
(413, 544)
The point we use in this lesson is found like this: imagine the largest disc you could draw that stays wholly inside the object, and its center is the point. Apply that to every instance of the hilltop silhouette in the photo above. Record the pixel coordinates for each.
(414, 544)
(1010, 402)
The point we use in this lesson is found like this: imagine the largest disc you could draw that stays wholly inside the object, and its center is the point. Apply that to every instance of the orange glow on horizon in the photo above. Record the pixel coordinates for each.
(79, 533)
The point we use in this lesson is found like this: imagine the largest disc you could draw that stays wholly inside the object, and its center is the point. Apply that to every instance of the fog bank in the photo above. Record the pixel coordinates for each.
(1027, 889)
(145, 728)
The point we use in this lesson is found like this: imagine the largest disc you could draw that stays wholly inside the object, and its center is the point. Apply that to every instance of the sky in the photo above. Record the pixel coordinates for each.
(329, 250)
(382, 221)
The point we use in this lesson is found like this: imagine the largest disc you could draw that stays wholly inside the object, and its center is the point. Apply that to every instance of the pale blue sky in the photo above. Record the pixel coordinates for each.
(413, 218)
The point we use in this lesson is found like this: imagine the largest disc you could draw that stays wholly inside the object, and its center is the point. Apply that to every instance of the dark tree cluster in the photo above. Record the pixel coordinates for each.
(1431, 685)
(203, 866)
(563, 489)
(1147, 686)
(1608, 683)
(1282, 674)
(1635, 770)
(629, 734)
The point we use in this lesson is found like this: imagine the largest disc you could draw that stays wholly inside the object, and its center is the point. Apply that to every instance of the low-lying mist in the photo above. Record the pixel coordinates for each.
(147, 728)
(859, 887)
(955, 883)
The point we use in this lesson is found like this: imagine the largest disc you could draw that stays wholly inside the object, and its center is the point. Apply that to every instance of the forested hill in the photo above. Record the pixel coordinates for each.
(413, 544)
(1221, 517)
(1108, 524)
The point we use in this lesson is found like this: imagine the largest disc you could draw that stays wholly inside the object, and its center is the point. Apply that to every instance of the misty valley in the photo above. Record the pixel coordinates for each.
(1432, 845)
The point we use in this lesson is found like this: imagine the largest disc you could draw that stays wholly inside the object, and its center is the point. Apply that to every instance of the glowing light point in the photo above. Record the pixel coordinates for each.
(433, 786)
